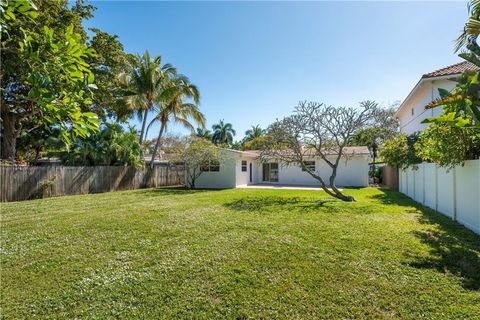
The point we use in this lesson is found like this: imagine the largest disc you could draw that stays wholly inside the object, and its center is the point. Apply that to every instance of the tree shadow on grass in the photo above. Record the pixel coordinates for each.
(269, 203)
(173, 191)
(453, 248)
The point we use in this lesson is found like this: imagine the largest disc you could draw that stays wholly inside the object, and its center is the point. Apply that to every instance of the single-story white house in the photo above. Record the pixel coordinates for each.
(243, 168)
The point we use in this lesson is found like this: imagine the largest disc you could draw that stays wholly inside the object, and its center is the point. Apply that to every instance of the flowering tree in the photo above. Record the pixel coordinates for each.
(319, 131)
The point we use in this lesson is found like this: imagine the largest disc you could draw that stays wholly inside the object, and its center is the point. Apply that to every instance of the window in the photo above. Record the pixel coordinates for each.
(244, 166)
(310, 165)
(211, 166)
(413, 111)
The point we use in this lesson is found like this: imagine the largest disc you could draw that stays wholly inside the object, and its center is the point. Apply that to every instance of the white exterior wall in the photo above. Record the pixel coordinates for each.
(351, 173)
(225, 178)
(426, 92)
(455, 193)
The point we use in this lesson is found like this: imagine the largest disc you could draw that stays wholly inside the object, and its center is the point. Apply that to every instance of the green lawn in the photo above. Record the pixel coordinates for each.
(236, 254)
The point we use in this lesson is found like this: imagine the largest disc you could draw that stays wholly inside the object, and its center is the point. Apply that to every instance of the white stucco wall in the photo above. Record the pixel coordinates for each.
(353, 172)
(225, 178)
(426, 92)
(454, 193)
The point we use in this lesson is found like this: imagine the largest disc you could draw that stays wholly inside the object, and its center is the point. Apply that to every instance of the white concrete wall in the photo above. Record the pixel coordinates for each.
(454, 193)
(225, 178)
(353, 173)
(425, 93)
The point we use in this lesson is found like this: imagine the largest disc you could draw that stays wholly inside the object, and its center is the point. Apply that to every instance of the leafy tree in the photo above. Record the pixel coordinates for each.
(399, 152)
(111, 146)
(254, 144)
(47, 71)
(318, 131)
(203, 133)
(109, 62)
(448, 145)
(31, 146)
(57, 84)
(199, 153)
(175, 108)
(223, 133)
(373, 137)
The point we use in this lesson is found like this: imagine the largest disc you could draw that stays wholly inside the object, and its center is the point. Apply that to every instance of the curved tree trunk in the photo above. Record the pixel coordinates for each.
(333, 190)
(157, 144)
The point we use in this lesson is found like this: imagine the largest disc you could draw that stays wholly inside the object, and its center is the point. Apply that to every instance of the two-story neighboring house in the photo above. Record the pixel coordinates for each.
(454, 192)
(412, 111)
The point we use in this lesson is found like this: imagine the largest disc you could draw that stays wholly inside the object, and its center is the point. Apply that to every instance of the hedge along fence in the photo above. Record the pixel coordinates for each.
(455, 193)
(23, 183)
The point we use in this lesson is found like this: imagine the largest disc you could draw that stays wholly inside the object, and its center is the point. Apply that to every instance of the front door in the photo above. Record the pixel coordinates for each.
(270, 172)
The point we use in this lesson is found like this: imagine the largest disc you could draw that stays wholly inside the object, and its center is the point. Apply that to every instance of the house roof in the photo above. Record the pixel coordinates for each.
(360, 150)
(450, 71)
(453, 69)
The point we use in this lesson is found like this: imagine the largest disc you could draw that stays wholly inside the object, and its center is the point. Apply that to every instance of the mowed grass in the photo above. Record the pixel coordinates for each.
(236, 254)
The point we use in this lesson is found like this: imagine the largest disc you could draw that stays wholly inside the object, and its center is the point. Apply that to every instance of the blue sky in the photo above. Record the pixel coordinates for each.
(253, 61)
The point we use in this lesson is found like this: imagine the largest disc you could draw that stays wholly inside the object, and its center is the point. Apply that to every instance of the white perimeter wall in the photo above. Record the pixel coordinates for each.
(455, 193)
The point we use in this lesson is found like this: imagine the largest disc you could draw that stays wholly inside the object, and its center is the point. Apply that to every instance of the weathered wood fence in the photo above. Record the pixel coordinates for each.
(21, 183)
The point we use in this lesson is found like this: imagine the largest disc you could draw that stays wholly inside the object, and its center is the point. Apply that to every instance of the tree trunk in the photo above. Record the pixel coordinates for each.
(339, 194)
(144, 122)
(9, 141)
(157, 144)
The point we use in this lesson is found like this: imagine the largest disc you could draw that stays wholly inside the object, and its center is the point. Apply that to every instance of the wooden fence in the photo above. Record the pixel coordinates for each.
(390, 177)
(22, 183)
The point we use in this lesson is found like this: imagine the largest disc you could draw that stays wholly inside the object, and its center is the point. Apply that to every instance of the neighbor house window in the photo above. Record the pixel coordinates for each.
(310, 165)
(211, 166)
(244, 166)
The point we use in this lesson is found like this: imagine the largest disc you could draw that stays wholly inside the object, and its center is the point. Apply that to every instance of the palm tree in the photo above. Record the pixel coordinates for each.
(471, 31)
(174, 108)
(254, 132)
(144, 85)
(203, 133)
(223, 133)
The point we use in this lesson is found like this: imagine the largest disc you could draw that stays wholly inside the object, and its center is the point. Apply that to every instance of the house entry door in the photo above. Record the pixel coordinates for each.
(270, 172)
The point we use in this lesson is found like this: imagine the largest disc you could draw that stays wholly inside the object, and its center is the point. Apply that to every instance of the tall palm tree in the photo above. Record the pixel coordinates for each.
(203, 133)
(254, 132)
(223, 133)
(144, 86)
(173, 107)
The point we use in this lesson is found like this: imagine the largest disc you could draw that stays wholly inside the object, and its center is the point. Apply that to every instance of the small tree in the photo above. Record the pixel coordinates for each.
(399, 152)
(373, 137)
(199, 153)
(448, 145)
(317, 130)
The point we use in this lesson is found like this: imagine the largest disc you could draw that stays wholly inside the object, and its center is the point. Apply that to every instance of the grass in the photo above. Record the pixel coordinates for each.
(236, 254)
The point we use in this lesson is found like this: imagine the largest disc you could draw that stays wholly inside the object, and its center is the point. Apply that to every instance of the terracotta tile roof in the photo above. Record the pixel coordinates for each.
(452, 69)
(355, 150)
